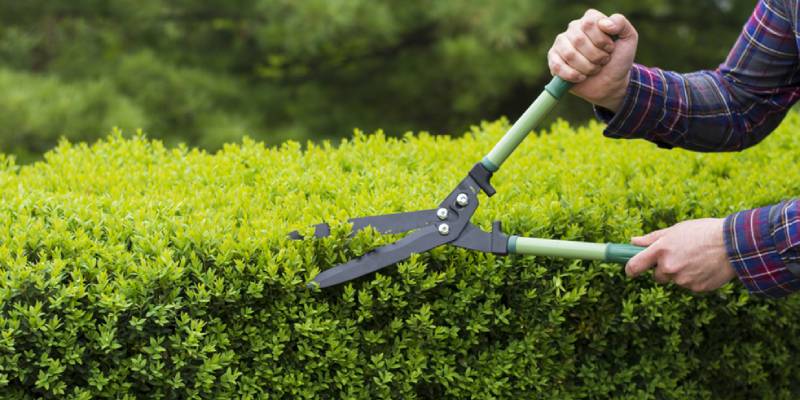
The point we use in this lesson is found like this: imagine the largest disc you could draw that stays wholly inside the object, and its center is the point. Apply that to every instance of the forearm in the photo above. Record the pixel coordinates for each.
(727, 109)
(763, 246)
(702, 111)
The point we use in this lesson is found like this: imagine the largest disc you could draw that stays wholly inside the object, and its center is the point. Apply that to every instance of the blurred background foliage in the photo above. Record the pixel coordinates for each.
(209, 72)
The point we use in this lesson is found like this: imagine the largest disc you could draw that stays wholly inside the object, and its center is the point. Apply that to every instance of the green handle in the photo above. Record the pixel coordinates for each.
(609, 252)
(551, 94)
(557, 87)
(529, 120)
(621, 253)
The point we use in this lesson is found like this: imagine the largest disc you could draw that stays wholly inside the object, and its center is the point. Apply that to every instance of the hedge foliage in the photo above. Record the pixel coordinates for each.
(133, 270)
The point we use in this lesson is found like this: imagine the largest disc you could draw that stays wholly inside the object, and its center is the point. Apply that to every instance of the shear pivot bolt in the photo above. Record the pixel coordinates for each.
(462, 199)
(444, 229)
(441, 213)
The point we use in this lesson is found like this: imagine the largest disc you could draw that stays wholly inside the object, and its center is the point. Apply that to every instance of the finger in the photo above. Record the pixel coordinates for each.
(559, 68)
(660, 275)
(589, 26)
(617, 25)
(643, 261)
(586, 47)
(650, 238)
(594, 14)
(573, 57)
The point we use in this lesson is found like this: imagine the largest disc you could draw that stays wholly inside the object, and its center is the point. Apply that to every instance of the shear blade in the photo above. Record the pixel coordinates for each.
(417, 242)
(387, 224)
(320, 231)
(395, 223)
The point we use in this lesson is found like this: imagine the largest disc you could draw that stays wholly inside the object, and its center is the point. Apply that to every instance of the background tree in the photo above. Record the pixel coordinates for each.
(209, 72)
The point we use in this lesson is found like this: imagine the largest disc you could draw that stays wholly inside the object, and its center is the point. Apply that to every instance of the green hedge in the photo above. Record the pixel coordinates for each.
(131, 270)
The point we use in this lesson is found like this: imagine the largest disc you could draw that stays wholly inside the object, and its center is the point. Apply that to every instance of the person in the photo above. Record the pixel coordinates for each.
(727, 109)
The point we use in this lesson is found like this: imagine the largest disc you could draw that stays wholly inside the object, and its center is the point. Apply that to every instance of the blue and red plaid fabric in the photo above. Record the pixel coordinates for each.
(730, 109)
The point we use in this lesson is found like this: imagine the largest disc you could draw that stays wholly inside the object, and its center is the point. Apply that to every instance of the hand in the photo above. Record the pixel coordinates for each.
(586, 55)
(692, 254)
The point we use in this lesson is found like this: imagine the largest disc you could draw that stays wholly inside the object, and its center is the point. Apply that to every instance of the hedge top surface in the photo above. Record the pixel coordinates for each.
(130, 269)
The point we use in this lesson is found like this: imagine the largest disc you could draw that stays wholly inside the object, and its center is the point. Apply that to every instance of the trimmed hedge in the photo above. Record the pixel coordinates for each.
(131, 270)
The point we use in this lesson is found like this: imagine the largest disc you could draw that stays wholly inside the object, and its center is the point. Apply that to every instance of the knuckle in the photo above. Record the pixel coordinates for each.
(598, 58)
(573, 75)
(570, 55)
(587, 24)
(671, 268)
(574, 24)
(579, 40)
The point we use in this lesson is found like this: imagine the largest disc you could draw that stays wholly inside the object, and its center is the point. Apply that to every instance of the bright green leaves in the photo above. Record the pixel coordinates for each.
(48, 376)
(130, 269)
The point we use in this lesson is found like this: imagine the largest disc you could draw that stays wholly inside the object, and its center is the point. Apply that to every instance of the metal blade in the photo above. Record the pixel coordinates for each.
(434, 230)
(396, 223)
(388, 223)
(475, 238)
(417, 242)
(320, 231)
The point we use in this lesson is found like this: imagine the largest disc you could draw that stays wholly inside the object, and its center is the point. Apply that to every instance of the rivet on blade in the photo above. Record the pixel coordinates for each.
(444, 229)
(462, 199)
(441, 213)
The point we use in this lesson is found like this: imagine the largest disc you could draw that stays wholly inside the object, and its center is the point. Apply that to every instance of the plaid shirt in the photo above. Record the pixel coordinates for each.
(730, 109)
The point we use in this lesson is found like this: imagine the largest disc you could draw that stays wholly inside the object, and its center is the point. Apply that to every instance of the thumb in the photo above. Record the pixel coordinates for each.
(648, 239)
(617, 25)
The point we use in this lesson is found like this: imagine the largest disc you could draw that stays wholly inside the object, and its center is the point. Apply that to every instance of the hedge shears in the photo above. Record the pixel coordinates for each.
(449, 223)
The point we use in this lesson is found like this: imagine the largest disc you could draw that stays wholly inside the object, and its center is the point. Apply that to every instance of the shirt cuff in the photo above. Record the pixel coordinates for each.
(642, 108)
(755, 253)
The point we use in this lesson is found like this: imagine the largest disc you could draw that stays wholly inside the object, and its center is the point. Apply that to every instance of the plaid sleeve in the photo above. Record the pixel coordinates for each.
(728, 109)
(763, 245)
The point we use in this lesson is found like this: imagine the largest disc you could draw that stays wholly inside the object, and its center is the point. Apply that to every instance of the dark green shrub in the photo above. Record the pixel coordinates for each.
(318, 68)
(36, 110)
(131, 270)
(192, 105)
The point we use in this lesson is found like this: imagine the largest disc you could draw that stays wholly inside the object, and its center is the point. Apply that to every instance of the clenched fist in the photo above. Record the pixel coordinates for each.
(586, 55)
